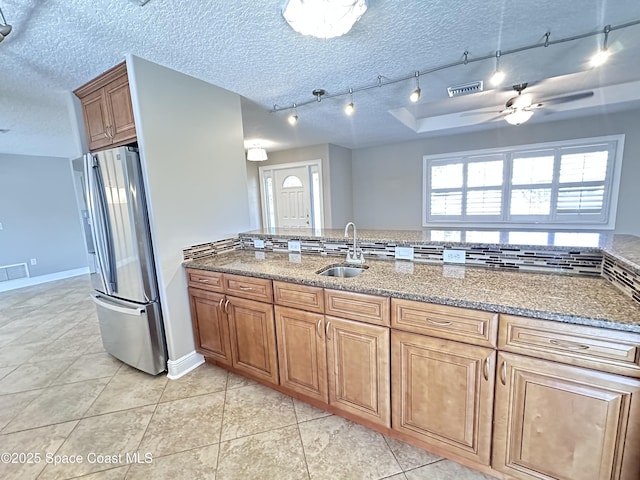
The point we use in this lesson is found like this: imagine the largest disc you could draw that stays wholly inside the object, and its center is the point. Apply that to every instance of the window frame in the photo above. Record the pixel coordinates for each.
(555, 220)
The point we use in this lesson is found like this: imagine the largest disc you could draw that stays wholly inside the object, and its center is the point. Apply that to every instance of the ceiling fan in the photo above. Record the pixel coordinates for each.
(520, 108)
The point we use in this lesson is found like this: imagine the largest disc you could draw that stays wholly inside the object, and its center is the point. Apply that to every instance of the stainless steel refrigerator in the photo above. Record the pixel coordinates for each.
(121, 260)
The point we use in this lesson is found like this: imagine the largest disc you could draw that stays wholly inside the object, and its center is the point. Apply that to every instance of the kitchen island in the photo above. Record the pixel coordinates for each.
(506, 370)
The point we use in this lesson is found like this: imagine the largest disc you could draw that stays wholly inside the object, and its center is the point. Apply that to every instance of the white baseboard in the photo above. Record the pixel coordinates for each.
(184, 365)
(27, 282)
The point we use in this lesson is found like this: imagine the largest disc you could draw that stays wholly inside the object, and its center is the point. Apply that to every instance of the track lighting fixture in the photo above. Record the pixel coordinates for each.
(603, 54)
(5, 28)
(350, 107)
(293, 118)
(415, 95)
(498, 75)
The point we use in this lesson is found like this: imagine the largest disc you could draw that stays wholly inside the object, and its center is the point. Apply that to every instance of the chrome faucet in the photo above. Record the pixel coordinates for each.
(353, 256)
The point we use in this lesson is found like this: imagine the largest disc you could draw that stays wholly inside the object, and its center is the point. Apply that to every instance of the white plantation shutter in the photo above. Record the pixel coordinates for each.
(543, 184)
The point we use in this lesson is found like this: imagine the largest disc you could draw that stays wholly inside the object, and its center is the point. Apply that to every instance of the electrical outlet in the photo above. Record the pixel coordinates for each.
(294, 246)
(453, 256)
(34, 261)
(404, 253)
(258, 243)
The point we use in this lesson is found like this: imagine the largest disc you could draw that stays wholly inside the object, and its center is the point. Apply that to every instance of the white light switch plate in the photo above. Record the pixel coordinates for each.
(260, 256)
(453, 256)
(258, 243)
(294, 246)
(404, 253)
(295, 258)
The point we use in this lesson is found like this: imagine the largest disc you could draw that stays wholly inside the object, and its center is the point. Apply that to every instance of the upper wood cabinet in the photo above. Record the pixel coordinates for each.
(443, 393)
(557, 421)
(107, 109)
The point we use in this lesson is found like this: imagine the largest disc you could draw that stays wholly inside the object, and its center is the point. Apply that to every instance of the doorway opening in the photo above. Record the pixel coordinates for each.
(291, 195)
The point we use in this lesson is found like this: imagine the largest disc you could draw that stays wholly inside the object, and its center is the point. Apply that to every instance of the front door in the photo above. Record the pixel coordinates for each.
(292, 197)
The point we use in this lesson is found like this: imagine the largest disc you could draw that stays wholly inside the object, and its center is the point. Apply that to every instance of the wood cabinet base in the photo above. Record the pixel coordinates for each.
(366, 423)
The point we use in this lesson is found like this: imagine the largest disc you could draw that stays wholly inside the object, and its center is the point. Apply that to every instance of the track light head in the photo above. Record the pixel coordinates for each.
(415, 95)
(5, 28)
(350, 108)
(602, 55)
(498, 75)
(292, 119)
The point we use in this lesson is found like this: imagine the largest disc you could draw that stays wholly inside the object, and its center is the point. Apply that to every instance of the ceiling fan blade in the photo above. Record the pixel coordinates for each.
(568, 98)
(483, 112)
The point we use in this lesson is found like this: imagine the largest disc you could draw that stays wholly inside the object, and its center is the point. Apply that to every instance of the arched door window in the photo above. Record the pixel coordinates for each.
(291, 182)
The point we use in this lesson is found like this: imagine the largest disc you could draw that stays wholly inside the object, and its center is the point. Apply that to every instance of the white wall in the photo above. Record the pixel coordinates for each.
(191, 142)
(341, 185)
(39, 215)
(387, 180)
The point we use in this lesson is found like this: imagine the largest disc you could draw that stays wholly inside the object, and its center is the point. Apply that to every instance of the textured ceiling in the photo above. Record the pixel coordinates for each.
(246, 46)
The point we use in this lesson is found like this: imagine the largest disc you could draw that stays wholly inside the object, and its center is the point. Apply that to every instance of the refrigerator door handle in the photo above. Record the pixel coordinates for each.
(110, 254)
(136, 312)
(98, 238)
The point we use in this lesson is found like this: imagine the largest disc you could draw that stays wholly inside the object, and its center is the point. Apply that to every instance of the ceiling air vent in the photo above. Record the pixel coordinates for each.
(465, 89)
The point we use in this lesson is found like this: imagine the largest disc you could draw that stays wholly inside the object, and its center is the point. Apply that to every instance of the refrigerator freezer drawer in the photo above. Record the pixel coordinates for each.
(132, 333)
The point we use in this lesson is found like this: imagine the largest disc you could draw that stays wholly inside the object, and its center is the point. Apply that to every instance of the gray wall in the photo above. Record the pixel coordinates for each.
(387, 180)
(191, 142)
(39, 215)
(341, 185)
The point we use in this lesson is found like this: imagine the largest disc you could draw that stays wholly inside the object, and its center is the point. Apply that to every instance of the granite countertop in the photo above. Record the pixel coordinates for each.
(570, 299)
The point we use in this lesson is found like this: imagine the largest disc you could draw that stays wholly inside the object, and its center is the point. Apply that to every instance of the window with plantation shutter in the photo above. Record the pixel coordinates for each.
(573, 184)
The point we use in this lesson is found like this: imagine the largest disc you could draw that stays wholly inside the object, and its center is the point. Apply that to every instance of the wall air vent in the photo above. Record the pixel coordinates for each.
(465, 89)
(13, 272)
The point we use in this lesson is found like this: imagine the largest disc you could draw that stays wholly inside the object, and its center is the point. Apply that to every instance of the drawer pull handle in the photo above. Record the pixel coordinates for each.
(220, 303)
(245, 288)
(503, 372)
(319, 328)
(326, 330)
(569, 345)
(485, 370)
(226, 306)
(440, 324)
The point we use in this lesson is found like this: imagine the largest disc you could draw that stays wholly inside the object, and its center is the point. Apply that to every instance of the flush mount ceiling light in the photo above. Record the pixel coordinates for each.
(415, 95)
(256, 154)
(5, 28)
(323, 18)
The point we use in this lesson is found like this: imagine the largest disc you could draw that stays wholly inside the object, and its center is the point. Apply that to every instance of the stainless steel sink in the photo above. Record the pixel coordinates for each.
(342, 271)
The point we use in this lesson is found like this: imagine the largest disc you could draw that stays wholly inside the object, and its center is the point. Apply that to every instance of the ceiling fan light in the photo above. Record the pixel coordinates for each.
(518, 117)
(599, 58)
(415, 95)
(497, 78)
(256, 154)
(323, 18)
(5, 29)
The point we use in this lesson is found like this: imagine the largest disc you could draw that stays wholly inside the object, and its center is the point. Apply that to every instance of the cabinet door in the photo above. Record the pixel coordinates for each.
(253, 338)
(557, 421)
(358, 369)
(96, 119)
(210, 325)
(443, 393)
(302, 352)
(118, 97)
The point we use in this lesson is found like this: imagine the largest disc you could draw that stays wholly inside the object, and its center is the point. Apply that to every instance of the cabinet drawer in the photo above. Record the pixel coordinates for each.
(357, 306)
(248, 287)
(451, 323)
(298, 296)
(205, 280)
(598, 348)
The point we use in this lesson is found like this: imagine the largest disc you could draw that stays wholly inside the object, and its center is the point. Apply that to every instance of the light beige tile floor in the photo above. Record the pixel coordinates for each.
(64, 399)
